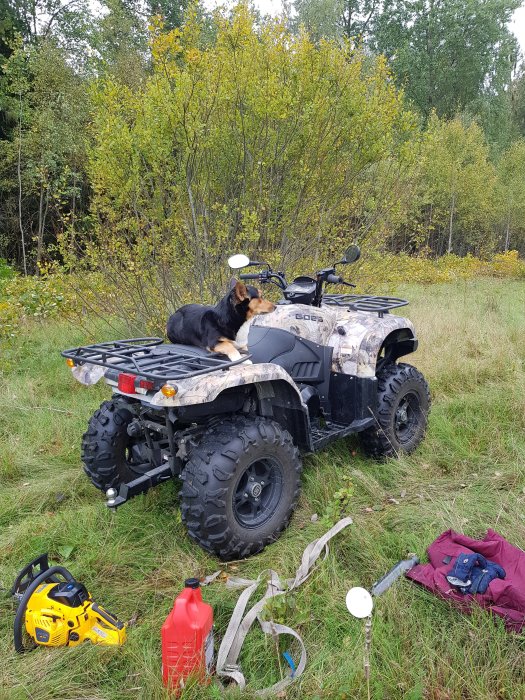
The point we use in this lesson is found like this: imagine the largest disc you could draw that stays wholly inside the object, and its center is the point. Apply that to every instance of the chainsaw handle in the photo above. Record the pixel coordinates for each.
(28, 574)
(35, 583)
(108, 617)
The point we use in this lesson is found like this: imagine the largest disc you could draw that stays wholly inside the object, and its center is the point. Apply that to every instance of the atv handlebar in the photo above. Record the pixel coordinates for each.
(335, 279)
(266, 276)
(326, 276)
(251, 276)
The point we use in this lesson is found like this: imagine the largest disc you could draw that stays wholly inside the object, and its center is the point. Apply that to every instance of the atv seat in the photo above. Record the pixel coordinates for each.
(176, 348)
(179, 348)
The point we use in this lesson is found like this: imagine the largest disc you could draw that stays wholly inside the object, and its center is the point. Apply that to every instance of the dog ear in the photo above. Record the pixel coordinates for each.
(233, 282)
(240, 292)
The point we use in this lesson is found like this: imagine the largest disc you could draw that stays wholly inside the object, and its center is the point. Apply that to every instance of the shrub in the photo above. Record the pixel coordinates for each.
(6, 272)
(24, 299)
(260, 140)
(508, 265)
(82, 298)
(390, 270)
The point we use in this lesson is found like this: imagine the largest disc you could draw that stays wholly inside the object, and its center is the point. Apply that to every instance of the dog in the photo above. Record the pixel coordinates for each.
(215, 327)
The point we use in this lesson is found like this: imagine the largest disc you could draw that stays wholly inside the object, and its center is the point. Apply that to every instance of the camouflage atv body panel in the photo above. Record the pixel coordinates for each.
(207, 387)
(355, 336)
(305, 321)
(358, 337)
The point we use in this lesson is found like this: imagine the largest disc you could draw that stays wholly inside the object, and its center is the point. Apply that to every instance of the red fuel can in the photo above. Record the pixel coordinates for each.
(187, 638)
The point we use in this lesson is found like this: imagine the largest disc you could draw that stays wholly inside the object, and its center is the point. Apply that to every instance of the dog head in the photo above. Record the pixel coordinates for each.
(251, 300)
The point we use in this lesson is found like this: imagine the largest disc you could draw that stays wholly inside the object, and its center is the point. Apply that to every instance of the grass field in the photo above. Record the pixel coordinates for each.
(468, 475)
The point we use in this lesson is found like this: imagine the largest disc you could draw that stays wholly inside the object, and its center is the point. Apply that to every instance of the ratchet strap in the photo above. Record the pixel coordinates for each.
(241, 622)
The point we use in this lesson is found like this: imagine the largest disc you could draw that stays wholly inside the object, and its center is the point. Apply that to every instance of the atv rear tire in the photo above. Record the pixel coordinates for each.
(402, 412)
(241, 486)
(105, 445)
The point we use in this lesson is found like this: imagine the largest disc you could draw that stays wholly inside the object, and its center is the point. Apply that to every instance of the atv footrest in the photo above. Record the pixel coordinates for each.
(139, 485)
(335, 431)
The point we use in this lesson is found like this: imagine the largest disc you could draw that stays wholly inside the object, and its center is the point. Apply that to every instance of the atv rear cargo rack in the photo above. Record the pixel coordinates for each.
(151, 359)
(364, 302)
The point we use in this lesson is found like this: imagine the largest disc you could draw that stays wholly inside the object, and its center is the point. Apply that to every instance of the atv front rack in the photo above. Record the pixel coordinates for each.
(151, 359)
(364, 302)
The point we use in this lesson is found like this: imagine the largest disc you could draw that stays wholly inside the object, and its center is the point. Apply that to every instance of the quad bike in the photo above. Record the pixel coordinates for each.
(323, 366)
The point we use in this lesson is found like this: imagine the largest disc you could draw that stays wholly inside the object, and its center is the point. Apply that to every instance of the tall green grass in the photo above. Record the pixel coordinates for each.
(468, 475)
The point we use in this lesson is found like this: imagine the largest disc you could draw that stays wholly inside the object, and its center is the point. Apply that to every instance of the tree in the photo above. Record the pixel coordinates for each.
(47, 148)
(172, 13)
(511, 191)
(49, 51)
(448, 53)
(119, 41)
(262, 141)
(458, 181)
(518, 101)
(320, 18)
(331, 19)
(10, 26)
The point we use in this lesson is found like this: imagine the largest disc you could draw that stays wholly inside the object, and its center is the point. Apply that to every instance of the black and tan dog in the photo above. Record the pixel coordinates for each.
(215, 327)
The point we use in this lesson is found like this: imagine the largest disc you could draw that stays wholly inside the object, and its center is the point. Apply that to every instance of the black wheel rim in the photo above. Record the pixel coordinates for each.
(258, 493)
(407, 418)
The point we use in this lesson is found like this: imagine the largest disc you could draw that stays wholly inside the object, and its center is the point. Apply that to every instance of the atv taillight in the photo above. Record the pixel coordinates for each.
(126, 383)
(146, 384)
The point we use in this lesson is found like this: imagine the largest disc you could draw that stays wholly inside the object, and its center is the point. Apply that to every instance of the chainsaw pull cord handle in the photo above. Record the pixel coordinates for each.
(19, 618)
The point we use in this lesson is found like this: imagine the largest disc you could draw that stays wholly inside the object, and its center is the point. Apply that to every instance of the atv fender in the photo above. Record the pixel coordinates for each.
(207, 387)
(359, 336)
(276, 394)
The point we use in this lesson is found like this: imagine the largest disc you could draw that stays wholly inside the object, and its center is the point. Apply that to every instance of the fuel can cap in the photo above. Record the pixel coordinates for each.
(192, 583)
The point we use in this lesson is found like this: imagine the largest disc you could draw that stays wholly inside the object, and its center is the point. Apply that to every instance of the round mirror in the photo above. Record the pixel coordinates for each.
(359, 602)
(238, 261)
(352, 253)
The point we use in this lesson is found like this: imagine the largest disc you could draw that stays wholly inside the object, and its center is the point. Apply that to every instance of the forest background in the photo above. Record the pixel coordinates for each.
(142, 141)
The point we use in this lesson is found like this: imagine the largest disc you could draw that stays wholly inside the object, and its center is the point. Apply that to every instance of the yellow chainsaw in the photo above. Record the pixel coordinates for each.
(58, 611)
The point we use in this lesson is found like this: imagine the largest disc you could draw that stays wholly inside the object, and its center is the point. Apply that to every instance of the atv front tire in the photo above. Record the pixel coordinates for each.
(402, 412)
(105, 445)
(241, 486)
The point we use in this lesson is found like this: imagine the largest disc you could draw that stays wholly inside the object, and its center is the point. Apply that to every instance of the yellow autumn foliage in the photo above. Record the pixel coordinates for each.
(260, 141)
(27, 299)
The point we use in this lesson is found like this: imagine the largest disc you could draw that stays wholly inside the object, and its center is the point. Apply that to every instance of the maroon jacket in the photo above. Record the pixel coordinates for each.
(505, 598)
